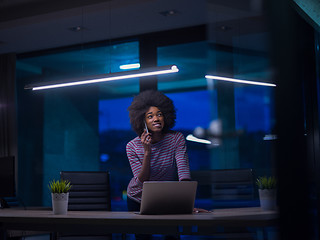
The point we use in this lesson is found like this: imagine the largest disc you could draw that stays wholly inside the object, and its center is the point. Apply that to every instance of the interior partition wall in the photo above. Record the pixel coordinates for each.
(243, 114)
(59, 129)
(267, 129)
(87, 128)
(64, 129)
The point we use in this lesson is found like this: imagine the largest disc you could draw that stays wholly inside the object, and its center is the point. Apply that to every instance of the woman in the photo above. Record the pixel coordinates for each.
(157, 153)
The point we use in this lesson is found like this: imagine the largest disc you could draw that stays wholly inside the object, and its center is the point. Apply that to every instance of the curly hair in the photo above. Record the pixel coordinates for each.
(151, 98)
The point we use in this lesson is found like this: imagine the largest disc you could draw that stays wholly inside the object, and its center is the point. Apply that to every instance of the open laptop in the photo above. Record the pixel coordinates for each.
(168, 197)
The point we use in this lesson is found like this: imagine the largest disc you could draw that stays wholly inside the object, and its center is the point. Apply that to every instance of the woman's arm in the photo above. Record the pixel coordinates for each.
(182, 159)
(144, 173)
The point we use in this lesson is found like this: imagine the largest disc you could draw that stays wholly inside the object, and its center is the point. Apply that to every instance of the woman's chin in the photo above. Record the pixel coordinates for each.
(156, 131)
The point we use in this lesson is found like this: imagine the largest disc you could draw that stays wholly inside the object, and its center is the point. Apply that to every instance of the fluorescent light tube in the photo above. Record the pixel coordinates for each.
(192, 138)
(130, 66)
(105, 77)
(239, 81)
(270, 137)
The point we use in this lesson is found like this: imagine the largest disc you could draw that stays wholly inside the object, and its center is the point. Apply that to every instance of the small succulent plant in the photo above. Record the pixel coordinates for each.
(59, 186)
(266, 182)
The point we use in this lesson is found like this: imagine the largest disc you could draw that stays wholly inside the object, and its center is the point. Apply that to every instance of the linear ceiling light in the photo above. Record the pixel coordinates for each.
(105, 77)
(240, 81)
(130, 66)
(192, 138)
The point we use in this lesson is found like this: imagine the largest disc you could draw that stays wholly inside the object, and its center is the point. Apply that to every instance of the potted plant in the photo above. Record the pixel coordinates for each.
(267, 192)
(60, 195)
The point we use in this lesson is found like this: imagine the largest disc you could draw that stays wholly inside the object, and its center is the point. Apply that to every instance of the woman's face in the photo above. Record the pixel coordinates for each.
(154, 119)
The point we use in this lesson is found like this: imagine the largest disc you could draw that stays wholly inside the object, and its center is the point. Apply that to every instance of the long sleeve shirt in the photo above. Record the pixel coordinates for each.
(168, 162)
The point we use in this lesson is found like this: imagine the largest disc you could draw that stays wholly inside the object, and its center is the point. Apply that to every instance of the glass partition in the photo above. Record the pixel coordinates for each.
(228, 125)
(62, 129)
(241, 114)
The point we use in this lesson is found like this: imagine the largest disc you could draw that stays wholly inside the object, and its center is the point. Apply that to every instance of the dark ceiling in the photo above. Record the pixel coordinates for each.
(32, 25)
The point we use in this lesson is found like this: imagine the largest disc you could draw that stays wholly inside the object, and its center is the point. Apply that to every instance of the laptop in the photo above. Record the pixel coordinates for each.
(168, 197)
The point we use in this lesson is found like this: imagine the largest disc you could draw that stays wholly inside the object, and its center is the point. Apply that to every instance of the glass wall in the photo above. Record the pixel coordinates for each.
(62, 129)
(114, 134)
(244, 112)
(87, 128)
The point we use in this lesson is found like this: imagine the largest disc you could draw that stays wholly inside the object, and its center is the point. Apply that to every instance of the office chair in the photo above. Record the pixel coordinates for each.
(90, 192)
(227, 188)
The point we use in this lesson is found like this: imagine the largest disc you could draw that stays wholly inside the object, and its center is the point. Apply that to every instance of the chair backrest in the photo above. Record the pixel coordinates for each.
(90, 190)
(225, 184)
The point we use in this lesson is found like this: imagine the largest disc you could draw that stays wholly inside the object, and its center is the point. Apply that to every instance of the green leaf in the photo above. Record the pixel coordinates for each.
(266, 182)
(59, 186)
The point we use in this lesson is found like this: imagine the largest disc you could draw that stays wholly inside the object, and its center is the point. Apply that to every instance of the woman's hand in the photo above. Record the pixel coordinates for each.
(146, 140)
(201, 210)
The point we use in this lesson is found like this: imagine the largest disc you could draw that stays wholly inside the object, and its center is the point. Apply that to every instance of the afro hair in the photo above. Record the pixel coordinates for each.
(141, 104)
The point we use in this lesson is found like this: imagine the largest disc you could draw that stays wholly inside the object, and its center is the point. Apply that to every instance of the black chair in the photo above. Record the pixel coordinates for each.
(226, 188)
(90, 192)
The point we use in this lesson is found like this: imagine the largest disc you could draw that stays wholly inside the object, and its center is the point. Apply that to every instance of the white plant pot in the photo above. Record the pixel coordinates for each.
(268, 199)
(60, 203)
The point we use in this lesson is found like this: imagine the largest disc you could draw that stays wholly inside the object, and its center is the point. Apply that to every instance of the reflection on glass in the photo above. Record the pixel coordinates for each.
(62, 125)
(245, 113)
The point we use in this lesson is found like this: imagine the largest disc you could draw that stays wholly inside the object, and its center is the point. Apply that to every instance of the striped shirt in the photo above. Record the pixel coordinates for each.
(168, 162)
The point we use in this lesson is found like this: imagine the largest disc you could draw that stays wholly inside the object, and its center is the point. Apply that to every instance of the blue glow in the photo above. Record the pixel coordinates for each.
(104, 157)
(193, 109)
(113, 114)
(253, 109)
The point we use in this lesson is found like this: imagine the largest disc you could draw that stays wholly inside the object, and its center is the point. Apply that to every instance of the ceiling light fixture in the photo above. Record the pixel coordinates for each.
(269, 137)
(192, 138)
(130, 66)
(240, 81)
(105, 77)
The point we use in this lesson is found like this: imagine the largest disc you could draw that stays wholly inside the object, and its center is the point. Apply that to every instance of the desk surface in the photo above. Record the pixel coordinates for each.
(130, 222)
